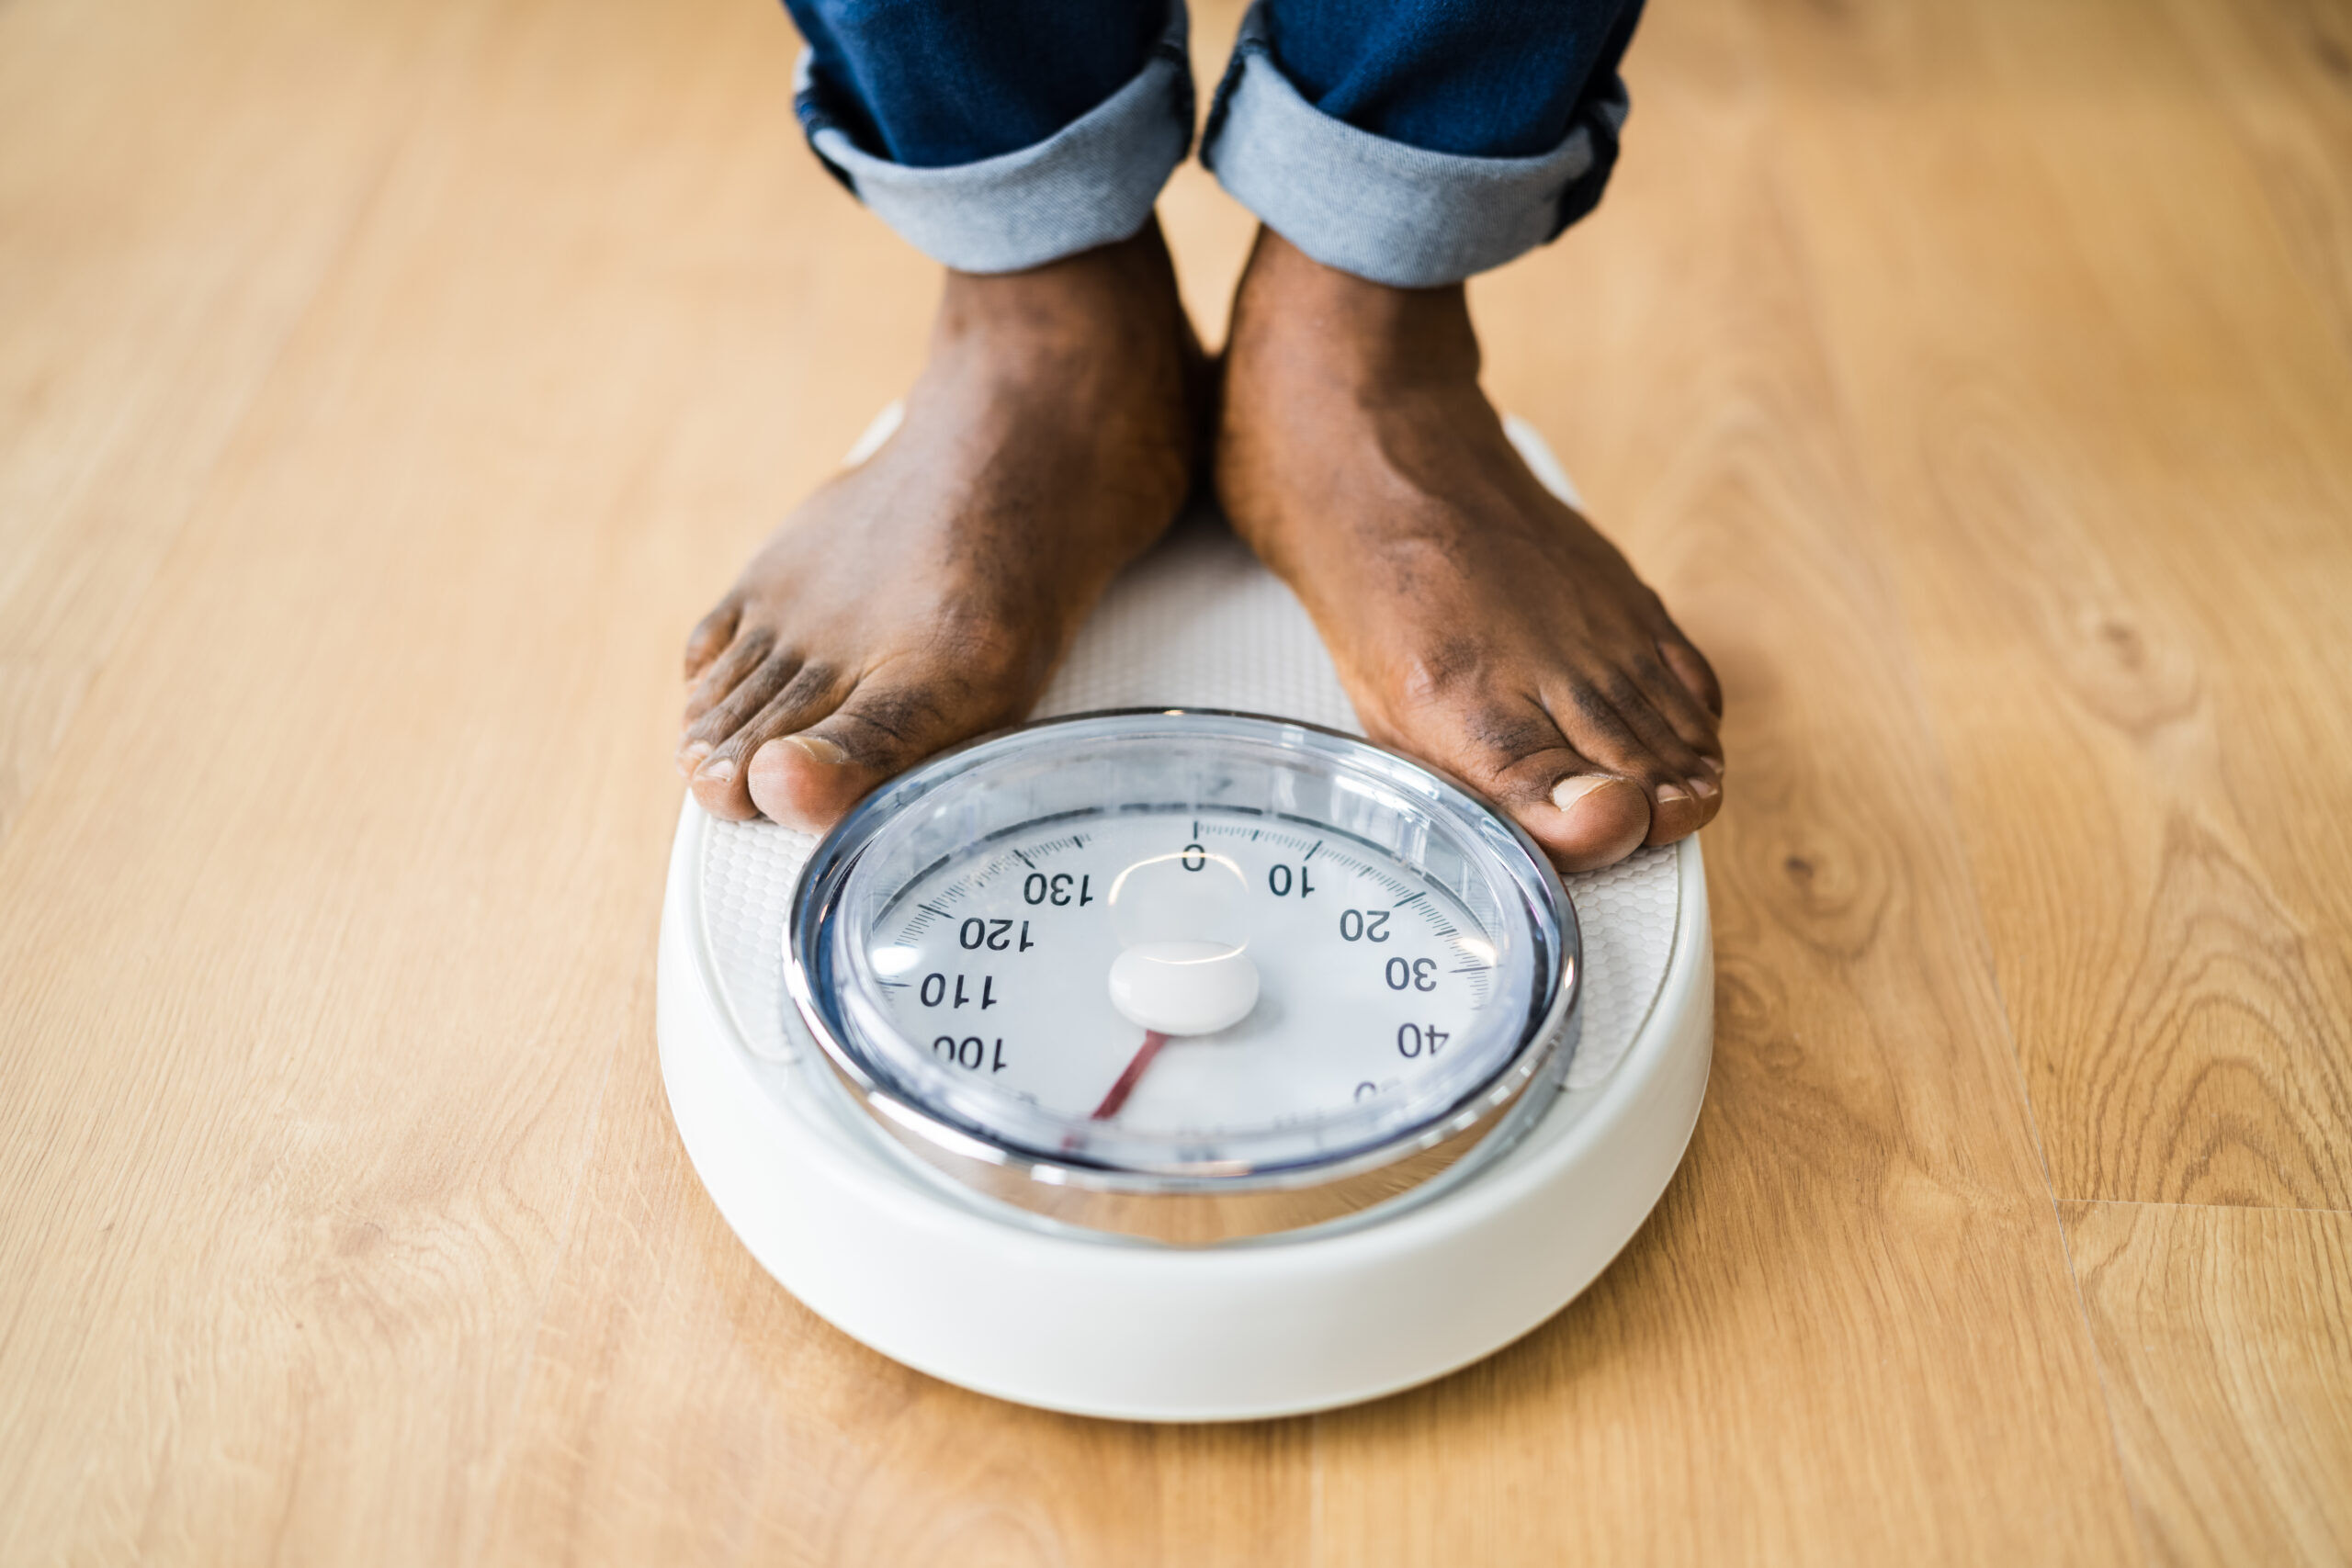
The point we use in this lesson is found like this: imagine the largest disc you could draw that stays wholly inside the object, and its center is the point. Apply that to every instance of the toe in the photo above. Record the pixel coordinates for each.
(807, 782)
(1696, 726)
(1615, 725)
(1669, 732)
(1678, 810)
(722, 778)
(724, 673)
(712, 634)
(1690, 668)
(893, 718)
(736, 706)
(1593, 819)
(1584, 814)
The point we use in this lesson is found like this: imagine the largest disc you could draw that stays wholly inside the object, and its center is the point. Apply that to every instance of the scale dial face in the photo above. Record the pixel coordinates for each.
(1369, 974)
(1182, 955)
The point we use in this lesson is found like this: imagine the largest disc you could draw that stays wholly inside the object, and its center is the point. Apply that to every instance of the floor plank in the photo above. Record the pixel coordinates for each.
(2131, 608)
(2281, 67)
(160, 236)
(2227, 1341)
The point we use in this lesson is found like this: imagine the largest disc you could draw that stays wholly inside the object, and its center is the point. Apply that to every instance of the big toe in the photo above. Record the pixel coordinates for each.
(1583, 815)
(810, 780)
(1589, 820)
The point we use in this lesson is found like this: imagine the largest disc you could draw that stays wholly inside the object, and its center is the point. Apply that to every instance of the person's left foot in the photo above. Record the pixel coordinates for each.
(1476, 620)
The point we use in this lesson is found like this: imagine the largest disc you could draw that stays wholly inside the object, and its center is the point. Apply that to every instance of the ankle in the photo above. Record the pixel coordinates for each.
(1291, 308)
(1119, 299)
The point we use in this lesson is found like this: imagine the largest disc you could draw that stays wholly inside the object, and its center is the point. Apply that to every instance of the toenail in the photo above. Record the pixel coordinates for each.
(1667, 792)
(1713, 767)
(819, 749)
(1704, 789)
(692, 757)
(717, 772)
(1575, 787)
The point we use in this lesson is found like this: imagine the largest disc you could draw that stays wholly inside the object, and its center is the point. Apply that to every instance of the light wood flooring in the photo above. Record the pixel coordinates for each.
(384, 389)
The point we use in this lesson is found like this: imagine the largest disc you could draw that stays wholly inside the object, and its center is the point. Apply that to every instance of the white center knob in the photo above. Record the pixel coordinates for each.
(1184, 988)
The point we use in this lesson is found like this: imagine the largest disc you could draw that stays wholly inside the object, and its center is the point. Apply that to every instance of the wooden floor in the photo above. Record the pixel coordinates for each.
(385, 387)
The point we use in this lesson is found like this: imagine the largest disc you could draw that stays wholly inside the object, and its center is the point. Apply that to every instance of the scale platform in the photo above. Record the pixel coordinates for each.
(1005, 1302)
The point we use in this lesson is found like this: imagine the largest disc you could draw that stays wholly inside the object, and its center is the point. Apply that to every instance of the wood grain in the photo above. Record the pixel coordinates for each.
(2281, 69)
(387, 389)
(2227, 1339)
(160, 236)
(2133, 638)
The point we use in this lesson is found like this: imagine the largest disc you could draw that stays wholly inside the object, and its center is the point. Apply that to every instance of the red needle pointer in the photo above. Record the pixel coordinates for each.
(1152, 1041)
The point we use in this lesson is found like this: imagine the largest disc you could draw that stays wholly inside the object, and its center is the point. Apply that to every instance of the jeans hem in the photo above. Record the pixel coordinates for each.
(1380, 209)
(1091, 182)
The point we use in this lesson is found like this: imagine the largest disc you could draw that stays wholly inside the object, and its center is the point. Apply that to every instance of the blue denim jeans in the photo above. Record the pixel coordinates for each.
(1409, 142)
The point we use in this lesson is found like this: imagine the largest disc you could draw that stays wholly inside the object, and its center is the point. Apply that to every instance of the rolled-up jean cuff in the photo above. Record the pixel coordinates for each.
(1380, 209)
(1090, 182)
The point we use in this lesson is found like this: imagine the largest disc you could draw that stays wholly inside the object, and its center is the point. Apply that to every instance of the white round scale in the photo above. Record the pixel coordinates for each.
(1182, 1057)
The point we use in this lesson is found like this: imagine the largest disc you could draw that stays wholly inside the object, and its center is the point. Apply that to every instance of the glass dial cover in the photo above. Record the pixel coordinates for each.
(1181, 950)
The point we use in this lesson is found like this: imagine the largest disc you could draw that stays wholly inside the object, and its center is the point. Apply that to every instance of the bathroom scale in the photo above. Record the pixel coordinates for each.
(1181, 1056)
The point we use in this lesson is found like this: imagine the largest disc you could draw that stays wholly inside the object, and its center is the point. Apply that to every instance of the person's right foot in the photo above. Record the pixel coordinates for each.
(925, 596)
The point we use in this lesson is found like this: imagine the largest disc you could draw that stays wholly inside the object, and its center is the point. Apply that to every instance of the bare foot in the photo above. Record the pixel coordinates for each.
(1476, 620)
(925, 596)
